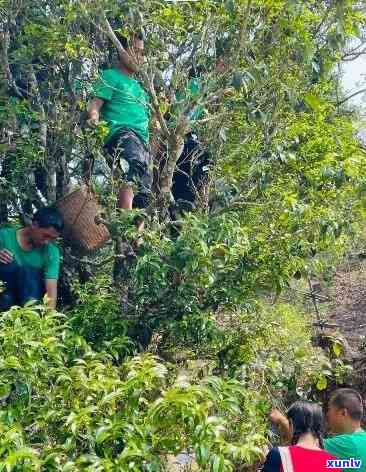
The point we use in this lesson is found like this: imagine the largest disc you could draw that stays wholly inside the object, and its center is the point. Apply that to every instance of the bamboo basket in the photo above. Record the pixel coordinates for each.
(79, 210)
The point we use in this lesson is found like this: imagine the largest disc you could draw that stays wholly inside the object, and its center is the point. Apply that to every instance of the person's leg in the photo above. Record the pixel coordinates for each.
(7, 300)
(132, 159)
(30, 284)
(9, 275)
(125, 197)
(23, 283)
(138, 177)
(117, 149)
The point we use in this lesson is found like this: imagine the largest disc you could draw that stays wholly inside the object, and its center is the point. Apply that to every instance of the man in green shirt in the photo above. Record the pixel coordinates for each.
(29, 262)
(344, 416)
(121, 101)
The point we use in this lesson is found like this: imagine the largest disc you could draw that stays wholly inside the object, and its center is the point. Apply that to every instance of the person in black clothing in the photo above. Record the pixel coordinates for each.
(191, 171)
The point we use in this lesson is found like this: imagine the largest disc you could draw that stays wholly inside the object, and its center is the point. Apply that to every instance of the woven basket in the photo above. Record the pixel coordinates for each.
(79, 210)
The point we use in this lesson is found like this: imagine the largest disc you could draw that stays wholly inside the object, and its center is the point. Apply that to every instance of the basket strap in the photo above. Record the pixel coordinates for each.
(87, 179)
(86, 199)
(88, 172)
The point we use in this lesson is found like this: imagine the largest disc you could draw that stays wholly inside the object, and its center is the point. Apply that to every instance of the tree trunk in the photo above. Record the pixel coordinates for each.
(174, 150)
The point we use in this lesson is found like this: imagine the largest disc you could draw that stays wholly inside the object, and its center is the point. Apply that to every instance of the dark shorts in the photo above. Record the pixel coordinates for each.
(22, 283)
(131, 159)
(191, 171)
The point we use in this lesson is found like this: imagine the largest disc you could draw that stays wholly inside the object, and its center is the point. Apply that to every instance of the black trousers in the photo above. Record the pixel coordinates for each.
(191, 170)
(23, 283)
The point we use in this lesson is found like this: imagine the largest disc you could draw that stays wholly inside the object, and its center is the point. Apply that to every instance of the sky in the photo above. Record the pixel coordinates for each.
(354, 78)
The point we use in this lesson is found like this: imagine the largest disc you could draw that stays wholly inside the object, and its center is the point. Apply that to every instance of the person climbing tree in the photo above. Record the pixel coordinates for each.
(29, 262)
(191, 172)
(120, 100)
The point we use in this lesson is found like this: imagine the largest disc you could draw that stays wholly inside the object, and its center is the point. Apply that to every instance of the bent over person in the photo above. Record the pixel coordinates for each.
(29, 262)
(120, 100)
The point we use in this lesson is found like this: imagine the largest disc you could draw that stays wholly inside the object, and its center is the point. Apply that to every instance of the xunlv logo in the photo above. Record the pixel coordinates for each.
(344, 464)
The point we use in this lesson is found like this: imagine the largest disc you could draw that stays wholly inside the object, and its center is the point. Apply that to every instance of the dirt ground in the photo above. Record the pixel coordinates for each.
(349, 304)
(347, 309)
(340, 305)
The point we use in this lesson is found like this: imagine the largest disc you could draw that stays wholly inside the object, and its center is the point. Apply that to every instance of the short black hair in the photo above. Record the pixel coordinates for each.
(195, 71)
(349, 399)
(49, 216)
(125, 41)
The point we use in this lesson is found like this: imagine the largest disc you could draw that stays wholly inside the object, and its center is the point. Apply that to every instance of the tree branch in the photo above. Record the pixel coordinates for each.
(112, 36)
(155, 103)
(351, 96)
(50, 163)
(352, 55)
(5, 40)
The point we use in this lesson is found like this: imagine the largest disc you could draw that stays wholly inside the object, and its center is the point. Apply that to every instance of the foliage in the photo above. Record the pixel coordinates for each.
(97, 318)
(286, 195)
(68, 407)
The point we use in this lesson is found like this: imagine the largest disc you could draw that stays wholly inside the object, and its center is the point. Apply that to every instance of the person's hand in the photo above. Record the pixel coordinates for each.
(276, 417)
(93, 122)
(6, 257)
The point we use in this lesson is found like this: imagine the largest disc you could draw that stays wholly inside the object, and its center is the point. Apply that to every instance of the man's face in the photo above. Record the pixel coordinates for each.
(137, 51)
(42, 236)
(337, 418)
(221, 64)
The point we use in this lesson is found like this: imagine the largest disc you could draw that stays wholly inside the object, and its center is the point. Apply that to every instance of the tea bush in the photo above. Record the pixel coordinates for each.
(68, 407)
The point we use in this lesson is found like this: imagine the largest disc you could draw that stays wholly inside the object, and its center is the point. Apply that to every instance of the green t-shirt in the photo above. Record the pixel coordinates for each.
(46, 258)
(348, 446)
(126, 104)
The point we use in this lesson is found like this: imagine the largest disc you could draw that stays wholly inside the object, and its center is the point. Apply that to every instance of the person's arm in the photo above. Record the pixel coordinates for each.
(273, 461)
(52, 271)
(280, 420)
(94, 109)
(102, 91)
(51, 292)
(6, 257)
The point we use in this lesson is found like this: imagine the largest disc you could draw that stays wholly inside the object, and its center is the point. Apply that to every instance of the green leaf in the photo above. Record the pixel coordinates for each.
(322, 383)
(337, 348)
(313, 102)
(237, 81)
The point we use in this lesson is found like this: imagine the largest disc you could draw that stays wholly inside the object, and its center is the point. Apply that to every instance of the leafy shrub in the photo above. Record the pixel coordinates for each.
(68, 409)
(97, 317)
